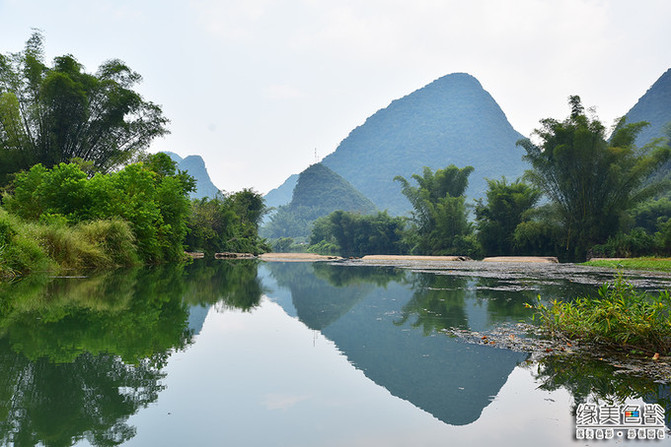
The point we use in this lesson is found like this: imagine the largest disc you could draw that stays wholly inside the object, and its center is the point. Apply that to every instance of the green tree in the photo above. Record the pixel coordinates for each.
(55, 114)
(227, 224)
(503, 212)
(358, 235)
(440, 214)
(151, 196)
(591, 181)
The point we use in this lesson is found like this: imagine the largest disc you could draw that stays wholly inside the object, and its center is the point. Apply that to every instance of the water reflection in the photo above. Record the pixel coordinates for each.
(591, 380)
(79, 356)
(368, 321)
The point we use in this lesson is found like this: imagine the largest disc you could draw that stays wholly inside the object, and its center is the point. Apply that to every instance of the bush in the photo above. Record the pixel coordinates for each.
(626, 245)
(621, 318)
(28, 247)
(324, 248)
(115, 238)
(19, 253)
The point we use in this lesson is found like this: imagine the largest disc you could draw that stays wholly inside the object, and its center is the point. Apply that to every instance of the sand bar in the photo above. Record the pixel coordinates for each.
(414, 258)
(296, 257)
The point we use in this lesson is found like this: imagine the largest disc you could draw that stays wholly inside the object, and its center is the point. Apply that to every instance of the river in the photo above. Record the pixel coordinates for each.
(246, 353)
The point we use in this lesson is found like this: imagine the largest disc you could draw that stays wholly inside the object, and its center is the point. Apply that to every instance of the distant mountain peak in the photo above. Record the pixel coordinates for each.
(194, 165)
(452, 120)
(654, 107)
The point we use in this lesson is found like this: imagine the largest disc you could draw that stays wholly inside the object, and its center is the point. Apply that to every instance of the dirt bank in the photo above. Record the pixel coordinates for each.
(414, 258)
(296, 257)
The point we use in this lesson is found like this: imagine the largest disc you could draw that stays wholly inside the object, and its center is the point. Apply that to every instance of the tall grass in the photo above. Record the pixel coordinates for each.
(57, 247)
(644, 263)
(620, 318)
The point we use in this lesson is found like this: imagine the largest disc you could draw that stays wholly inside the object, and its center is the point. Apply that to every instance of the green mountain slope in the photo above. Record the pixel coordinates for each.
(453, 120)
(319, 191)
(320, 188)
(654, 107)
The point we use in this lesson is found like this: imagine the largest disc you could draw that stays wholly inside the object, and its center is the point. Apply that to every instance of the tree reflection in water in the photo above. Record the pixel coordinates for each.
(78, 357)
(591, 379)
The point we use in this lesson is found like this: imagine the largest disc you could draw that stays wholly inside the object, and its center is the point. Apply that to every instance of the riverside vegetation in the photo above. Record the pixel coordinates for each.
(80, 191)
(586, 195)
(621, 318)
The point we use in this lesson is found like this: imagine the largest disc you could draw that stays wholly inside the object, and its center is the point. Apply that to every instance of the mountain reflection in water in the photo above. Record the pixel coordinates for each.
(110, 359)
(386, 322)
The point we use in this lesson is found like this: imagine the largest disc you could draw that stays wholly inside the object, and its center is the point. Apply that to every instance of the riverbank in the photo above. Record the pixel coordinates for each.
(524, 337)
(644, 263)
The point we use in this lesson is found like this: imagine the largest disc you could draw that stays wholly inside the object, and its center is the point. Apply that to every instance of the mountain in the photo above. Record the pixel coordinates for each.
(318, 192)
(654, 107)
(195, 166)
(452, 120)
(282, 194)
(319, 187)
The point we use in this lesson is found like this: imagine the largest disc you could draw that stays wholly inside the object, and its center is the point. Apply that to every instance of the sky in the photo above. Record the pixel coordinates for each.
(261, 89)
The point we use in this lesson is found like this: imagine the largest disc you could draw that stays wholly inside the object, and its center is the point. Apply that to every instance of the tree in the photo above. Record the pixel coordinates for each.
(359, 235)
(227, 224)
(55, 114)
(151, 196)
(503, 212)
(591, 181)
(440, 213)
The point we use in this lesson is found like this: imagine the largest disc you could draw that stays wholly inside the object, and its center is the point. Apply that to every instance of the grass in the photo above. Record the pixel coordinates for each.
(27, 247)
(620, 318)
(646, 263)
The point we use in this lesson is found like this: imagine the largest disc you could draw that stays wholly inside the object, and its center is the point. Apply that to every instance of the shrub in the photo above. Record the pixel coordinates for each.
(621, 318)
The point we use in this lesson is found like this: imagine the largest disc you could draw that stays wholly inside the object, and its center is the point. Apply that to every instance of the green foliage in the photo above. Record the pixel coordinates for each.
(52, 115)
(19, 251)
(620, 318)
(440, 215)
(149, 195)
(286, 245)
(644, 263)
(538, 237)
(499, 217)
(590, 181)
(648, 215)
(79, 357)
(228, 224)
(625, 245)
(324, 248)
(356, 235)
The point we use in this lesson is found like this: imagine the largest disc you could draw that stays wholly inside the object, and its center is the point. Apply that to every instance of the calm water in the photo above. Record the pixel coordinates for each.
(291, 354)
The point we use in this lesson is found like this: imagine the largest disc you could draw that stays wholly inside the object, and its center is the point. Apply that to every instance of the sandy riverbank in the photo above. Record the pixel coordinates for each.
(373, 259)
(296, 257)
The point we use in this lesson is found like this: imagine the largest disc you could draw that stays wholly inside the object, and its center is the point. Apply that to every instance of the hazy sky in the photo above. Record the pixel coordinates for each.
(255, 86)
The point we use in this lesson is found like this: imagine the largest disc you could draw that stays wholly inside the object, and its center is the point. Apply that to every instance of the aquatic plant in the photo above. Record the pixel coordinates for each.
(619, 318)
